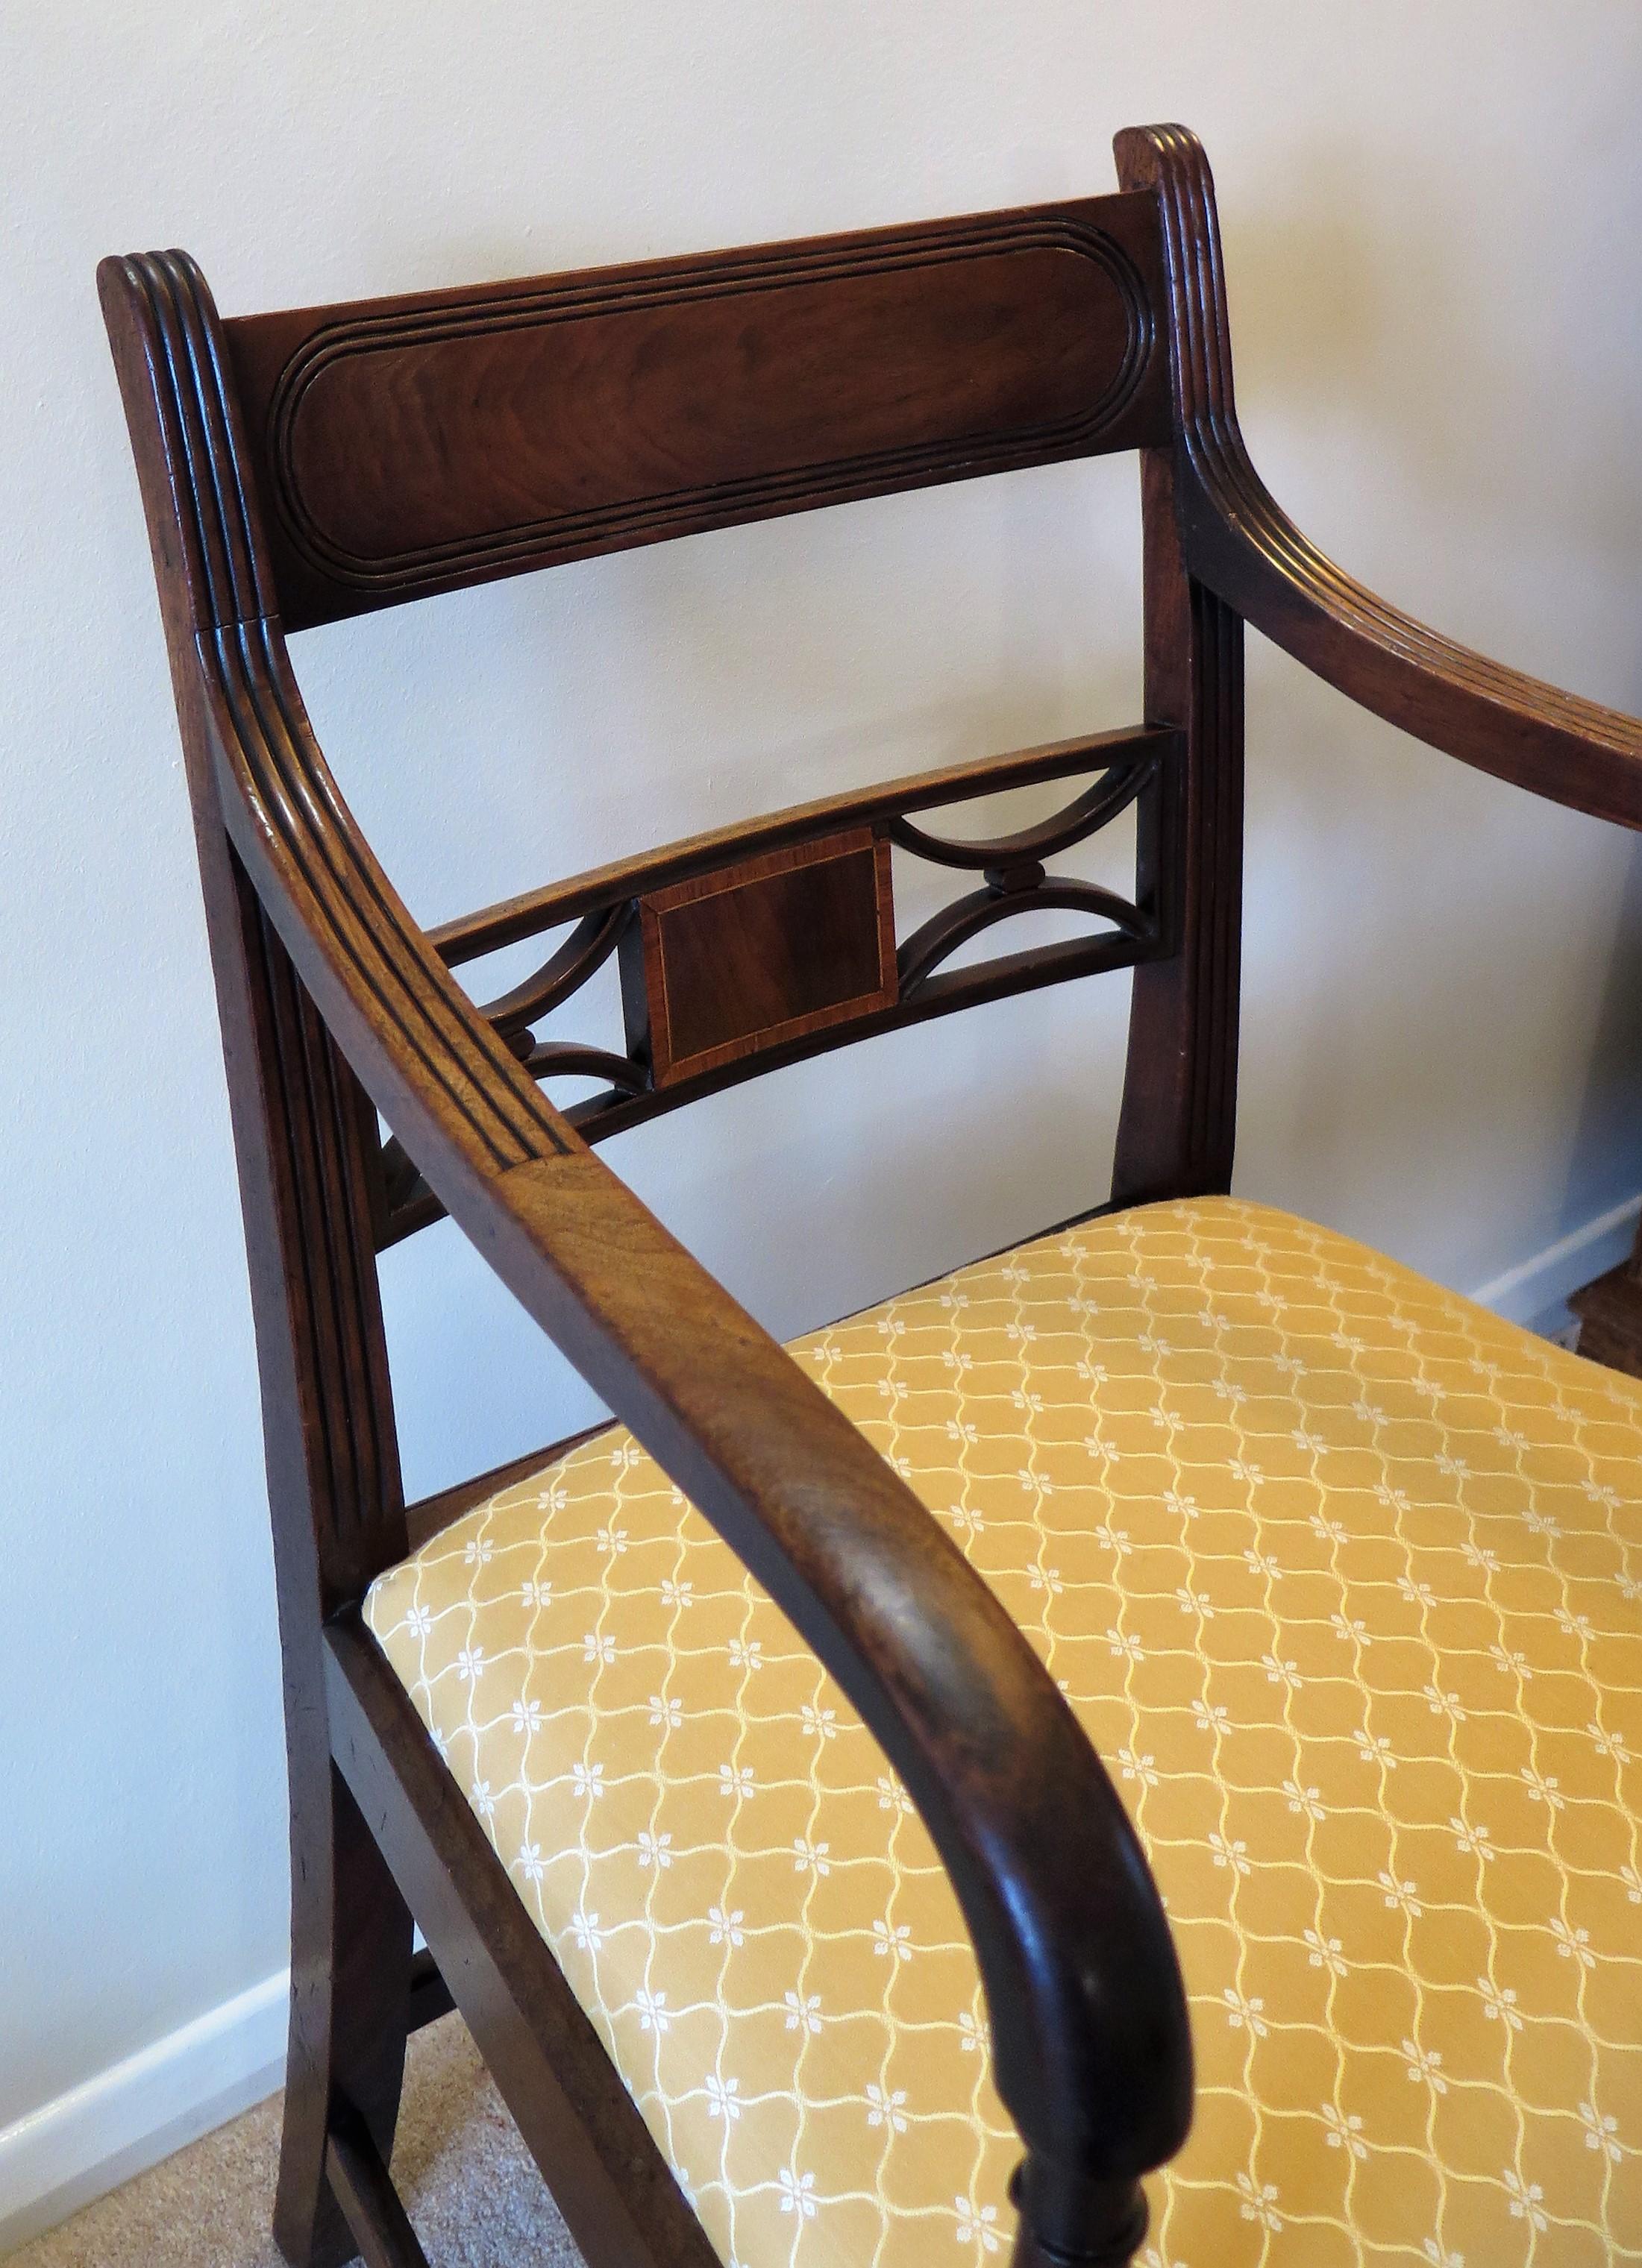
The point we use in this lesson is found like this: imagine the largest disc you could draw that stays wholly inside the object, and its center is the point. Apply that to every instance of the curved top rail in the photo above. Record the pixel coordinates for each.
(439, 439)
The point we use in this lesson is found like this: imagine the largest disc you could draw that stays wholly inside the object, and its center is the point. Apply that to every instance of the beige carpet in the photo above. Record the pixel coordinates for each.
(476, 2198)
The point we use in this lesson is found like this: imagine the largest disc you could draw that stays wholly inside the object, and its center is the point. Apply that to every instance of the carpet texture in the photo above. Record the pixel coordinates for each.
(476, 2198)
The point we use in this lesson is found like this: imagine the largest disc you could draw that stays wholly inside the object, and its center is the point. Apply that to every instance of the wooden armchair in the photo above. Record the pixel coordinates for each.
(760, 1838)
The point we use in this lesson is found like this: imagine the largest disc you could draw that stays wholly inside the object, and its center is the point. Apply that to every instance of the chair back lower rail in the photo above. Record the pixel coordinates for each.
(772, 941)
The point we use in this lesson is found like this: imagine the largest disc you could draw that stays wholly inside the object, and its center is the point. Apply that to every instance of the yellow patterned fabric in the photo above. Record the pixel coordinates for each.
(1341, 1573)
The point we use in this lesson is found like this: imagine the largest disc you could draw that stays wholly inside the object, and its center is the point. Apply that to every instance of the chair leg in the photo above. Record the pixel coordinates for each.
(350, 2013)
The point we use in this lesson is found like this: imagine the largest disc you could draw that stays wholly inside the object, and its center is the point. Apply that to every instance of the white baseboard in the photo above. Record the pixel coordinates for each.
(128, 2117)
(1531, 1291)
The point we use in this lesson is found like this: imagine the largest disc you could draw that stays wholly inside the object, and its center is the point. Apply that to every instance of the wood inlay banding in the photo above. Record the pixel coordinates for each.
(762, 952)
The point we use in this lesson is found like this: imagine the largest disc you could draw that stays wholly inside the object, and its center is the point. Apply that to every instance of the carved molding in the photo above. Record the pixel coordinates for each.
(420, 380)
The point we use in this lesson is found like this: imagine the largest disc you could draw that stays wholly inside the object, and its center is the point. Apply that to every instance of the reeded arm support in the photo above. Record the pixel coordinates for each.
(1240, 543)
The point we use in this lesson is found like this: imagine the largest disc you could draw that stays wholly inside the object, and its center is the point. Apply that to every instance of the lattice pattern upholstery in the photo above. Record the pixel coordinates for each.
(1342, 1576)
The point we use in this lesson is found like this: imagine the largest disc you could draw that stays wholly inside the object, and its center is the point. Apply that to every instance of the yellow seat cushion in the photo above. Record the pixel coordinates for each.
(1341, 1574)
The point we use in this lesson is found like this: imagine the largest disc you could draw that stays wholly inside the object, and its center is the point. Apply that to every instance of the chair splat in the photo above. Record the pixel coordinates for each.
(773, 941)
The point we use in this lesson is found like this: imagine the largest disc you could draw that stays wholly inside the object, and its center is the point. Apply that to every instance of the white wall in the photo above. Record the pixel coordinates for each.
(1431, 218)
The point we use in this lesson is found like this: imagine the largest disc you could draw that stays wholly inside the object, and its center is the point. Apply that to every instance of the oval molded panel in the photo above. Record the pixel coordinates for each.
(598, 411)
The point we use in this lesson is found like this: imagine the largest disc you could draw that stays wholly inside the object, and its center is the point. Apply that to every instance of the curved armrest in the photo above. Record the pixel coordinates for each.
(1240, 542)
(1092, 2051)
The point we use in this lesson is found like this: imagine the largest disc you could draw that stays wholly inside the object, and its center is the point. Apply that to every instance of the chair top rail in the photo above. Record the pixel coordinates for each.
(440, 439)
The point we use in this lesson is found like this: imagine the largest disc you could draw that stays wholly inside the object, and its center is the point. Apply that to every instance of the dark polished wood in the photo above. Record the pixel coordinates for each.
(296, 468)
(773, 948)
(305, 1154)
(370, 2203)
(428, 442)
(1240, 543)
(907, 986)
(1125, 760)
(631, 1099)
(1178, 1119)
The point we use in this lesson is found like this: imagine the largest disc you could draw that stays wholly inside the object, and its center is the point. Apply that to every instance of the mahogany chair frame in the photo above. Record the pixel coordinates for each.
(298, 467)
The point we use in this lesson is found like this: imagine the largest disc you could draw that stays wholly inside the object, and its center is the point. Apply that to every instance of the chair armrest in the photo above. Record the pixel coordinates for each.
(1092, 2051)
(1240, 542)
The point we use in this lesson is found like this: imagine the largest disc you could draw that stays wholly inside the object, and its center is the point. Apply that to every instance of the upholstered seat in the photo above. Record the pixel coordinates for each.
(1341, 1575)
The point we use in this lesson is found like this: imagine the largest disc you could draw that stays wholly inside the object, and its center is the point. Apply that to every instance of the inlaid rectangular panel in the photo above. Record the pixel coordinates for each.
(772, 949)
(417, 443)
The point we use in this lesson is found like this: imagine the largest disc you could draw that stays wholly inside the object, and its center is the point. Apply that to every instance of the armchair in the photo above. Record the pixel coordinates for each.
(490, 1716)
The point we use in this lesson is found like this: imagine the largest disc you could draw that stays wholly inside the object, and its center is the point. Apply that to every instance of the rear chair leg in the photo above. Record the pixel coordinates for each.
(350, 2014)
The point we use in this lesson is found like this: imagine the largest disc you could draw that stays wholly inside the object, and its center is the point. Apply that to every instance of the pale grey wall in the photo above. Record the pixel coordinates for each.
(1431, 222)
